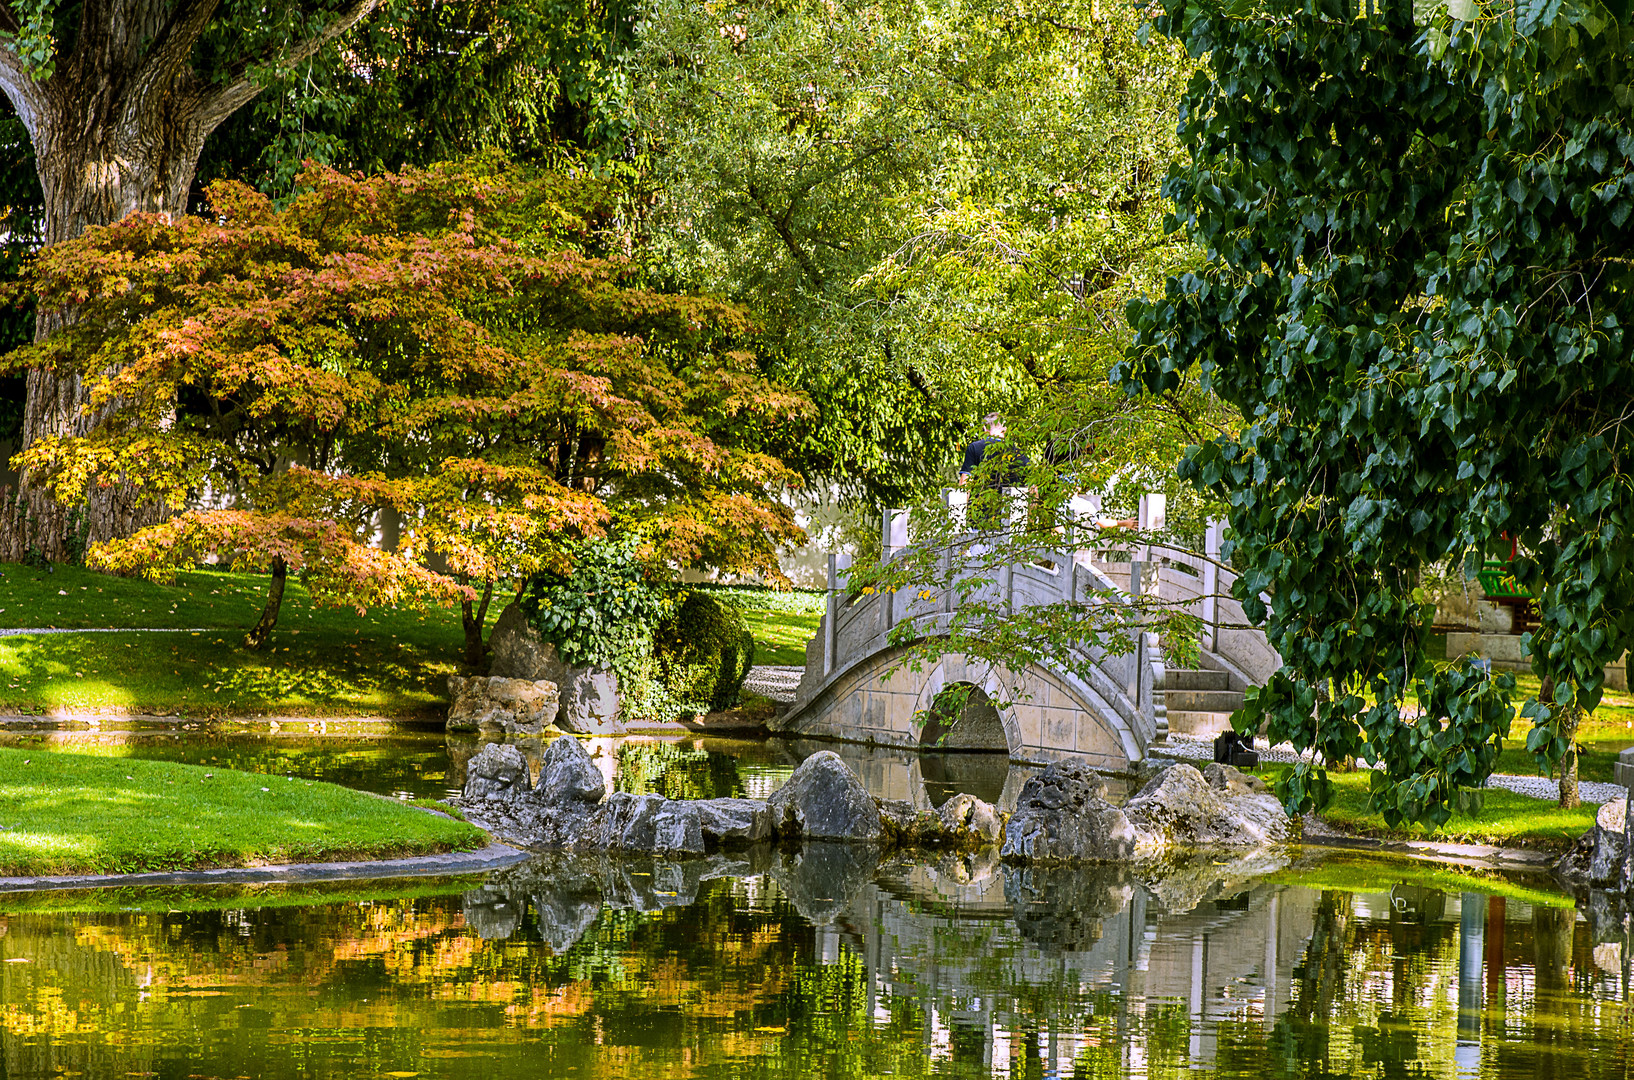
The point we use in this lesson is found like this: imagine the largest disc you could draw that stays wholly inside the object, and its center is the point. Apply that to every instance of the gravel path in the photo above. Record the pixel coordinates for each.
(1538, 787)
(773, 681)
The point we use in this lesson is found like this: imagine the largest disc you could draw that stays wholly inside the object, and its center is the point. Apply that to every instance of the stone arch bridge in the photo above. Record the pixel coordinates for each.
(855, 689)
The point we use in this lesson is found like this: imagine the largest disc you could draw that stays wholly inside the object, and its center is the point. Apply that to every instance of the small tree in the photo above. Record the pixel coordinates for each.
(442, 342)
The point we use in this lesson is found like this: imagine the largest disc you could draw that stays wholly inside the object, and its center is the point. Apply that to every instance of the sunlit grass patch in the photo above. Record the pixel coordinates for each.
(71, 813)
(1506, 818)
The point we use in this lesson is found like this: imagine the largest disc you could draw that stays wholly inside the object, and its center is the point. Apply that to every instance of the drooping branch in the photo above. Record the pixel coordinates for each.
(242, 87)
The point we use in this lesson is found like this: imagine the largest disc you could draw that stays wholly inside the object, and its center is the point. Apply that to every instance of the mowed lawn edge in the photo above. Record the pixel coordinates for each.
(64, 813)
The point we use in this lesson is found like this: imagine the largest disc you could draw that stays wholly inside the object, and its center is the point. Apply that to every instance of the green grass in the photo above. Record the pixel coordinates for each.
(1507, 819)
(782, 622)
(1376, 874)
(322, 661)
(70, 813)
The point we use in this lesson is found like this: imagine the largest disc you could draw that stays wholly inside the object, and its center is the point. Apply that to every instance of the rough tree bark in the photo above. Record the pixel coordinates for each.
(1571, 719)
(117, 128)
(261, 633)
(472, 618)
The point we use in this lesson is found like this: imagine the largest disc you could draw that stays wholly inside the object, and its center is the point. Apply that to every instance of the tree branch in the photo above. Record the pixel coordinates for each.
(9, 23)
(171, 47)
(26, 94)
(240, 89)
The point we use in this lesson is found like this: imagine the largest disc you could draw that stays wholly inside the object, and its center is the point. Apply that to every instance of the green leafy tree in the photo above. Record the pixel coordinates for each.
(441, 342)
(1415, 293)
(934, 209)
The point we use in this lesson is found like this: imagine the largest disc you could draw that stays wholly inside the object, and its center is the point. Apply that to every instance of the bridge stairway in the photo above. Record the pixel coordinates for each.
(1200, 702)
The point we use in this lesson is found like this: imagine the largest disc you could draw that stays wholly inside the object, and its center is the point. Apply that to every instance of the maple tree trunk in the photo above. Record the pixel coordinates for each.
(473, 621)
(258, 637)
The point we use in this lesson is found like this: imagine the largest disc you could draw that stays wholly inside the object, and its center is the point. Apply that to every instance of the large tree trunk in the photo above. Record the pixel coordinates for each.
(473, 620)
(1571, 717)
(117, 128)
(261, 632)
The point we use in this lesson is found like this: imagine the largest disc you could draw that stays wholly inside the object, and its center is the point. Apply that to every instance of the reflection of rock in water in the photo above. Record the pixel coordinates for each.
(979, 774)
(1179, 885)
(569, 890)
(821, 879)
(492, 912)
(1062, 908)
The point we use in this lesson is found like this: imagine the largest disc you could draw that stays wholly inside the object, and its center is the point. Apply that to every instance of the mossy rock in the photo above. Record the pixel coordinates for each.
(704, 651)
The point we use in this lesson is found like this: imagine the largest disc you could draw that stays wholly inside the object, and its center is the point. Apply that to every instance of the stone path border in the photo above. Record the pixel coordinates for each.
(492, 857)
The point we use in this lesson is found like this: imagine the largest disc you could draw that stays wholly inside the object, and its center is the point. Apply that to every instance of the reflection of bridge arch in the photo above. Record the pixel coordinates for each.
(854, 690)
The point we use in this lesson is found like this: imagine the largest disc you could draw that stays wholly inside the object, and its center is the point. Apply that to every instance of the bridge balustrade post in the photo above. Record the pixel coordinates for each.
(894, 534)
(832, 613)
(1137, 576)
(1213, 541)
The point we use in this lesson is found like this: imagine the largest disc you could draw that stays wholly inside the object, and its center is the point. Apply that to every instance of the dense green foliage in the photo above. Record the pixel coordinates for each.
(704, 651)
(602, 612)
(1415, 292)
(935, 209)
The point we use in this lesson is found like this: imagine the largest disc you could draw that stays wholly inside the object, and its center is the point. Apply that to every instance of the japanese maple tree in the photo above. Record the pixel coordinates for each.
(447, 343)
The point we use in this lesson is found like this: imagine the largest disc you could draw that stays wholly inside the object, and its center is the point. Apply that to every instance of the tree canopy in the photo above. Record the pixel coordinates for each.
(447, 342)
(1415, 291)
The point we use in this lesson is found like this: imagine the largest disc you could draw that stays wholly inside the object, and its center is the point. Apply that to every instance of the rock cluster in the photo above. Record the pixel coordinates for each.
(1062, 815)
(515, 706)
(570, 809)
(589, 697)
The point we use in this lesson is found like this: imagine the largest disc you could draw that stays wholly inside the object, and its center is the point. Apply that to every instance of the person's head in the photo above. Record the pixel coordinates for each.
(994, 423)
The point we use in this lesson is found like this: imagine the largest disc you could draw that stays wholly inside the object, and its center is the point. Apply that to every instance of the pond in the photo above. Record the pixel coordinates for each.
(410, 760)
(819, 965)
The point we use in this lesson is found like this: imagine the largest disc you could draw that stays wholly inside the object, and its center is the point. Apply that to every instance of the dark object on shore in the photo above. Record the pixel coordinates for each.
(1228, 744)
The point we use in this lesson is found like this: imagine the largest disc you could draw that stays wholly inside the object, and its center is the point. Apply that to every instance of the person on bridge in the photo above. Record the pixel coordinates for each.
(1008, 470)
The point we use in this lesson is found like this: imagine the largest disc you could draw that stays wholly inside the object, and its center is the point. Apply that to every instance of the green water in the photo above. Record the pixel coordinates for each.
(813, 966)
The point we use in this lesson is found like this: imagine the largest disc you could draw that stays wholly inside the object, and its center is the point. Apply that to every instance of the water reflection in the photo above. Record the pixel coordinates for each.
(416, 759)
(813, 964)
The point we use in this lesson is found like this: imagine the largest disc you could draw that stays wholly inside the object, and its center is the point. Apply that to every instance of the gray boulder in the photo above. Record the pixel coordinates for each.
(498, 772)
(733, 822)
(651, 824)
(1060, 817)
(1182, 808)
(1596, 860)
(590, 702)
(568, 775)
(518, 652)
(824, 800)
(969, 822)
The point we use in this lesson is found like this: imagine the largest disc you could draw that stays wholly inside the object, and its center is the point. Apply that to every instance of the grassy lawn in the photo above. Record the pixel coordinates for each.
(1507, 819)
(322, 662)
(71, 813)
(1607, 730)
(782, 622)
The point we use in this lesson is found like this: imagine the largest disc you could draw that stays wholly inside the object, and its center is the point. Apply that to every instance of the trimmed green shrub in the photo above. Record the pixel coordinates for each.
(704, 651)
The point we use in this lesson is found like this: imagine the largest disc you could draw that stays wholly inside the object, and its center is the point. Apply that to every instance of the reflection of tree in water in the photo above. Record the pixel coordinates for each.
(675, 771)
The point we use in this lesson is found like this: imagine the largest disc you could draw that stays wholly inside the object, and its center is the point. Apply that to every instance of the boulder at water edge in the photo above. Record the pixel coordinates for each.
(589, 698)
(568, 775)
(1180, 807)
(1596, 860)
(1061, 817)
(516, 706)
(498, 773)
(824, 800)
(590, 702)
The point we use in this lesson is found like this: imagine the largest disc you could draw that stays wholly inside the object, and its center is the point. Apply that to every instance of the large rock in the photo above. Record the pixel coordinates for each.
(824, 800)
(733, 822)
(651, 824)
(1596, 860)
(1060, 817)
(515, 706)
(588, 698)
(498, 772)
(590, 702)
(567, 774)
(518, 652)
(1180, 808)
(969, 822)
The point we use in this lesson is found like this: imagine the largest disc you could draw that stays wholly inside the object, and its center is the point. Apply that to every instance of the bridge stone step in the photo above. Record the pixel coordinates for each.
(1199, 724)
(1196, 679)
(1203, 700)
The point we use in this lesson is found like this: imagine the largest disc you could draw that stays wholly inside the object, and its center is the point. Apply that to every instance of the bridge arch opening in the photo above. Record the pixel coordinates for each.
(963, 747)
